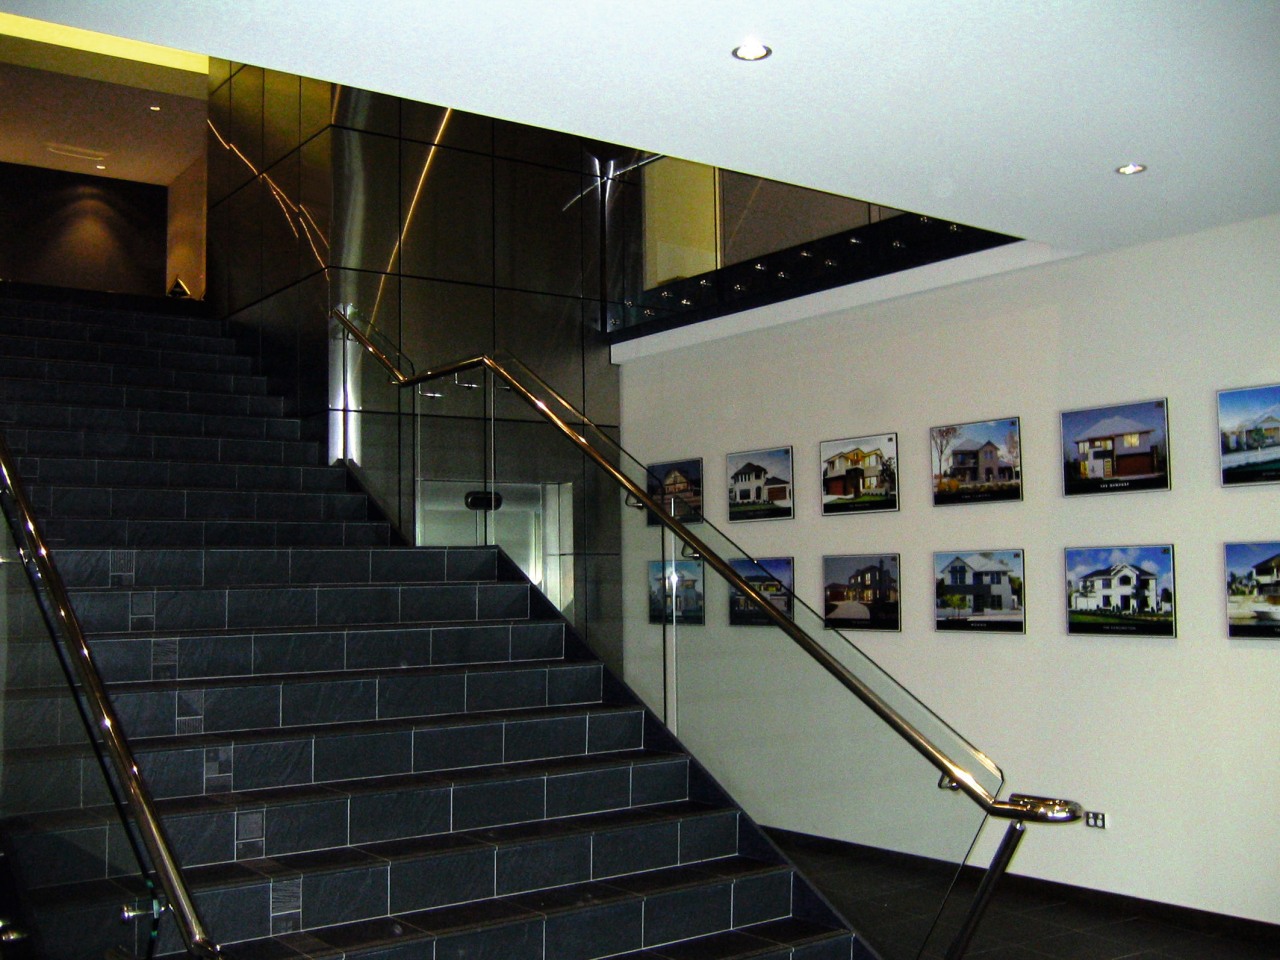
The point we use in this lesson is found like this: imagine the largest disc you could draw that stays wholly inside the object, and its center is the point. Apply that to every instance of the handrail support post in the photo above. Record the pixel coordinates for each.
(982, 899)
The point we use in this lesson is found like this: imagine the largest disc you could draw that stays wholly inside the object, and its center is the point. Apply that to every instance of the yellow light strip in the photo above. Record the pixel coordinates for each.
(58, 35)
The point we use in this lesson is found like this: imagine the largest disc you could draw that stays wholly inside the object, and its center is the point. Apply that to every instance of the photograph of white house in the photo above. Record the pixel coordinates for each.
(760, 484)
(1249, 424)
(1116, 448)
(1121, 590)
(981, 590)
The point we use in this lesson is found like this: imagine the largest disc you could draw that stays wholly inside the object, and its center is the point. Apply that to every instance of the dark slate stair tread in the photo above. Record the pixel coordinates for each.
(43, 415)
(124, 533)
(63, 502)
(105, 445)
(194, 339)
(93, 351)
(46, 370)
(141, 398)
(215, 567)
(189, 473)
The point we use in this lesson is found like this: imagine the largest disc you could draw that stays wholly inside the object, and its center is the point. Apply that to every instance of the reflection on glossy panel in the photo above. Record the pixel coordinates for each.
(282, 258)
(518, 141)
(446, 212)
(538, 229)
(545, 332)
(280, 111)
(245, 129)
(365, 110)
(220, 159)
(444, 322)
(428, 123)
(244, 275)
(314, 108)
(366, 201)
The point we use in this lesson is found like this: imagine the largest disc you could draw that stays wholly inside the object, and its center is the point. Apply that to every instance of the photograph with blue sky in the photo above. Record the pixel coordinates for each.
(1249, 432)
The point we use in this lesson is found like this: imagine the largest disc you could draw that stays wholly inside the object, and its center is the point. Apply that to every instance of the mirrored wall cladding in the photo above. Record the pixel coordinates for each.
(443, 235)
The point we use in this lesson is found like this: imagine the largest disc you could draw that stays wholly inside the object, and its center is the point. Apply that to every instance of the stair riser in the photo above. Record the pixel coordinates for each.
(215, 533)
(263, 706)
(149, 473)
(118, 611)
(24, 369)
(102, 444)
(62, 502)
(62, 417)
(85, 351)
(260, 654)
(182, 335)
(228, 568)
(414, 748)
(180, 400)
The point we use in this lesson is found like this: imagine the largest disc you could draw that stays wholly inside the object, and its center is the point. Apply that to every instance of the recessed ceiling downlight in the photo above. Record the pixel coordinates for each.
(1129, 169)
(751, 50)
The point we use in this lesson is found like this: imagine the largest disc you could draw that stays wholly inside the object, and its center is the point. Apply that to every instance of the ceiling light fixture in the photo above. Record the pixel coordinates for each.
(101, 166)
(1129, 169)
(155, 108)
(751, 50)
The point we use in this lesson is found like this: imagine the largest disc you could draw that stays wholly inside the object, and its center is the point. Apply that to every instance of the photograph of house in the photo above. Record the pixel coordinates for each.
(677, 592)
(677, 485)
(773, 577)
(1249, 426)
(981, 590)
(860, 592)
(976, 462)
(859, 474)
(1116, 448)
(1121, 590)
(1253, 589)
(760, 484)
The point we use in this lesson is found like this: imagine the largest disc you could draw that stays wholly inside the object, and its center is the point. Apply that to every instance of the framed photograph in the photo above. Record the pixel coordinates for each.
(677, 591)
(774, 577)
(1249, 426)
(979, 590)
(978, 462)
(677, 485)
(1118, 448)
(760, 485)
(1253, 589)
(859, 474)
(860, 592)
(1123, 590)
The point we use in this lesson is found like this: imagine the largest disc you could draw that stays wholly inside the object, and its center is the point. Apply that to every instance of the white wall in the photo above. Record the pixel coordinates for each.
(1178, 741)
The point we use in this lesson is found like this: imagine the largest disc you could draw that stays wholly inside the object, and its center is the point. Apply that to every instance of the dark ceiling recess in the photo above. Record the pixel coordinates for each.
(899, 243)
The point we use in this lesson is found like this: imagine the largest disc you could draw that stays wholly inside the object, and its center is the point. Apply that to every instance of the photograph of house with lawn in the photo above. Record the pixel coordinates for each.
(1116, 448)
(1253, 589)
(859, 474)
(976, 462)
(760, 484)
(1121, 590)
(979, 591)
(1249, 425)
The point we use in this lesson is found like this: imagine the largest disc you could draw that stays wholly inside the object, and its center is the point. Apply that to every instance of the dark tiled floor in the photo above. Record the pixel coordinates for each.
(893, 901)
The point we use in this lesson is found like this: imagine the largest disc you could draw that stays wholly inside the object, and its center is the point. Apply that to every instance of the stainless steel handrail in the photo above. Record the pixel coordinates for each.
(1018, 806)
(35, 553)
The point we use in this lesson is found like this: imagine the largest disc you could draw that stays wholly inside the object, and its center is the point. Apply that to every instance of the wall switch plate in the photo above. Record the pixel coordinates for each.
(1095, 818)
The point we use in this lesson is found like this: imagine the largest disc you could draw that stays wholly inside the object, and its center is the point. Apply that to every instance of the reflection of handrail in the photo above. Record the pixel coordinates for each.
(46, 577)
(1017, 807)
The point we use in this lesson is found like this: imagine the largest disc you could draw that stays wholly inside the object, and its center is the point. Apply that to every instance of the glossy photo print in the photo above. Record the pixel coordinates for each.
(773, 577)
(677, 485)
(677, 591)
(859, 474)
(978, 462)
(1115, 449)
(760, 486)
(1249, 434)
(1253, 589)
(1121, 590)
(978, 590)
(860, 592)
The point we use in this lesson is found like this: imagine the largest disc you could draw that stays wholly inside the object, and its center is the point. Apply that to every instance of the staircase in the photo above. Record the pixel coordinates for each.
(357, 748)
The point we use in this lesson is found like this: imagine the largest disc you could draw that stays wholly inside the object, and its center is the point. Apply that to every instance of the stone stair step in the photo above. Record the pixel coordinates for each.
(183, 474)
(221, 533)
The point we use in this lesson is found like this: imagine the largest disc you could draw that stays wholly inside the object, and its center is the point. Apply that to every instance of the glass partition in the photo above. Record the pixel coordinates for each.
(70, 858)
(766, 718)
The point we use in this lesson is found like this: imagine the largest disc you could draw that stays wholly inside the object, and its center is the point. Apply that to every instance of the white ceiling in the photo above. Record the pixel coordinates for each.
(1005, 114)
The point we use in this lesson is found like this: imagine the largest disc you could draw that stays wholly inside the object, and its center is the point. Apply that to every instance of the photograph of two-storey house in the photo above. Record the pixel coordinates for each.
(760, 484)
(1249, 425)
(1253, 589)
(1121, 590)
(859, 474)
(979, 591)
(1116, 448)
(976, 462)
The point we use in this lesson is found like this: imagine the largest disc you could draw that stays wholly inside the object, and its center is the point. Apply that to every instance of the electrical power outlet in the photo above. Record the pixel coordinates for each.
(1095, 818)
